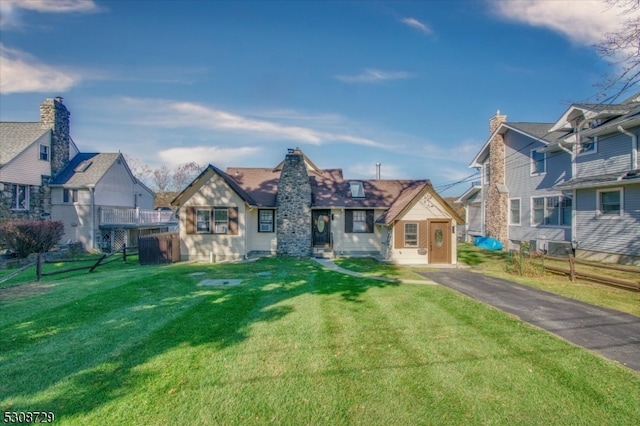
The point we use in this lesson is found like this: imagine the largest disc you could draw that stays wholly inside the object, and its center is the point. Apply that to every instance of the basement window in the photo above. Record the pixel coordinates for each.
(357, 189)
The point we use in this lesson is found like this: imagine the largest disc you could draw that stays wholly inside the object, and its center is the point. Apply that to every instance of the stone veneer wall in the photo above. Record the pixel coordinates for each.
(293, 217)
(497, 203)
(54, 115)
(39, 202)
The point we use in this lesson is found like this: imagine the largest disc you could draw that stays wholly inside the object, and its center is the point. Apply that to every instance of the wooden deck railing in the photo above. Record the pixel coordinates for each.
(124, 216)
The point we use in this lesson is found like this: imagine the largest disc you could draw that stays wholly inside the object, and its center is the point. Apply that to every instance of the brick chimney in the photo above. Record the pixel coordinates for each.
(497, 200)
(293, 200)
(55, 116)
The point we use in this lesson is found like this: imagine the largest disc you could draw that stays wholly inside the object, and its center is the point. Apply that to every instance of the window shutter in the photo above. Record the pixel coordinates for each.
(191, 220)
(233, 221)
(348, 221)
(369, 226)
(423, 234)
(398, 234)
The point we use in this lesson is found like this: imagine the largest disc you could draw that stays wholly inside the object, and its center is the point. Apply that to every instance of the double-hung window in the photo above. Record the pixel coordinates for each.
(610, 203)
(514, 211)
(538, 162)
(265, 221)
(359, 221)
(221, 221)
(411, 235)
(20, 197)
(44, 152)
(203, 221)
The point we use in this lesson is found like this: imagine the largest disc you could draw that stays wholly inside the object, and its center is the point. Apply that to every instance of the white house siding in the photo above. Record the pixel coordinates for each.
(259, 242)
(116, 188)
(613, 156)
(213, 247)
(76, 217)
(423, 210)
(355, 243)
(525, 186)
(145, 196)
(27, 168)
(616, 239)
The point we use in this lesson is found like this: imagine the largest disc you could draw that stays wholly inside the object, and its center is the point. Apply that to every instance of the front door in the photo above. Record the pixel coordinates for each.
(321, 228)
(439, 241)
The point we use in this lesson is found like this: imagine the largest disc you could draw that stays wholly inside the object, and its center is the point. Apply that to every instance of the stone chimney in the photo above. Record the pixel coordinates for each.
(293, 200)
(55, 116)
(497, 199)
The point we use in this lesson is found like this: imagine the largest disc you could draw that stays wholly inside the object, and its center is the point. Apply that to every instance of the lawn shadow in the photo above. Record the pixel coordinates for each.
(76, 357)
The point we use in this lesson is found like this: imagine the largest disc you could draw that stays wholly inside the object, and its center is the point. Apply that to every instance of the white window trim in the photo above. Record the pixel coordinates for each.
(270, 223)
(417, 235)
(561, 197)
(532, 163)
(363, 222)
(599, 213)
(225, 225)
(519, 212)
(198, 231)
(14, 201)
(48, 159)
(593, 151)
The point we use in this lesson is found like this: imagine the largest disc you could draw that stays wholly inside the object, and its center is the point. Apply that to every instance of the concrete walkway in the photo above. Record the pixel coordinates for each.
(330, 264)
(612, 334)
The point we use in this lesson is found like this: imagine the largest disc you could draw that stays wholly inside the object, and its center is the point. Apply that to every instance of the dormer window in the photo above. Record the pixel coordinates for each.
(357, 189)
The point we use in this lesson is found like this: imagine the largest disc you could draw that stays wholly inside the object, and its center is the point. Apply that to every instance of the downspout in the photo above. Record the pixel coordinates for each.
(92, 196)
(634, 147)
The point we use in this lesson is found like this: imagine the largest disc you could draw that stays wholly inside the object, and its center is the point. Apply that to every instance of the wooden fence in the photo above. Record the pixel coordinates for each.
(154, 249)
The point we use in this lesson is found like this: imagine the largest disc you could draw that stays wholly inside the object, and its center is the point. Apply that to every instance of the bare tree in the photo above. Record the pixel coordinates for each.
(184, 174)
(162, 178)
(622, 50)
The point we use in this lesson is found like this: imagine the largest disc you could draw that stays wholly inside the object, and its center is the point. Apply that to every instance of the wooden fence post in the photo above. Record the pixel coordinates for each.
(572, 267)
(124, 253)
(39, 267)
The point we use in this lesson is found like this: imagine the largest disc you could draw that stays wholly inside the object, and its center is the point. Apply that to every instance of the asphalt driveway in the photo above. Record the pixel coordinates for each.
(610, 333)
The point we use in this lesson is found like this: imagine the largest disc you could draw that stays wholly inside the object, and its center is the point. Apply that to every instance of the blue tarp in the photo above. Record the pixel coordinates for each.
(488, 243)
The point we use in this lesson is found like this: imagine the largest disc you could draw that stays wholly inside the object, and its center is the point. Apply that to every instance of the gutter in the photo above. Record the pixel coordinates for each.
(634, 147)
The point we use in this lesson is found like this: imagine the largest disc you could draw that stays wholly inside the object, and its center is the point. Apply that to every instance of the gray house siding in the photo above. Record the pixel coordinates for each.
(524, 185)
(613, 156)
(619, 235)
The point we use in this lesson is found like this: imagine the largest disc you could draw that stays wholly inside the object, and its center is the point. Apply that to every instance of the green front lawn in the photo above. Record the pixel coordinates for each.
(293, 344)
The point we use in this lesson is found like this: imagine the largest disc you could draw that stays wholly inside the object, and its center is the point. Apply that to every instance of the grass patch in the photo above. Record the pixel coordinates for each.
(293, 344)
(494, 264)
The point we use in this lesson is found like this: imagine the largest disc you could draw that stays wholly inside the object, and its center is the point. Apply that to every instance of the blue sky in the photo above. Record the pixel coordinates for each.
(410, 85)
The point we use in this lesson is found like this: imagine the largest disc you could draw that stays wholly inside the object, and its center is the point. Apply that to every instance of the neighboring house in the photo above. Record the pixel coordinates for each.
(575, 183)
(298, 209)
(30, 153)
(513, 200)
(603, 146)
(101, 203)
(44, 176)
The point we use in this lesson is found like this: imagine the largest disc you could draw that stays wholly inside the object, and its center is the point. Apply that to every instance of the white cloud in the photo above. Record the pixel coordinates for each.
(181, 114)
(20, 72)
(414, 23)
(9, 9)
(371, 75)
(584, 23)
(220, 156)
